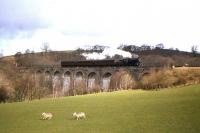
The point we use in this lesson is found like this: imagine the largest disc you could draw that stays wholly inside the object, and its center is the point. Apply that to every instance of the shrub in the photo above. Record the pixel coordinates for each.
(3, 94)
(122, 80)
(169, 77)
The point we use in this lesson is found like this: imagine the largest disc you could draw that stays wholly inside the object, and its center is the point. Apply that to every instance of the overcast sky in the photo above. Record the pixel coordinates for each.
(68, 24)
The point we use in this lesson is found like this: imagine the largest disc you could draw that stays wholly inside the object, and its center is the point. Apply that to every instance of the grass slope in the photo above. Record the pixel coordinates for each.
(166, 111)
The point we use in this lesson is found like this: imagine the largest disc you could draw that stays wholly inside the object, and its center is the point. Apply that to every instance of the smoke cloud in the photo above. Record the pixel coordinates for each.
(111, 52)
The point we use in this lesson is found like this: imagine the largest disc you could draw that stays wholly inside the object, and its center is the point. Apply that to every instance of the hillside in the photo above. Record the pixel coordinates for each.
(166, 57)
(174, 110)
(18, 86)
(149, 58)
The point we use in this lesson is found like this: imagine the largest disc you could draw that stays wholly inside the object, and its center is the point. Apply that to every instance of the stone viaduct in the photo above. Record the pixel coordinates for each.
(69, 76)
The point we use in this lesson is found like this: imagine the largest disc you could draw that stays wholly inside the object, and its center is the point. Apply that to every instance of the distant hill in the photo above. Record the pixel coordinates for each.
(46, 58)
(166, 57)
(159, 57)
(149, 58)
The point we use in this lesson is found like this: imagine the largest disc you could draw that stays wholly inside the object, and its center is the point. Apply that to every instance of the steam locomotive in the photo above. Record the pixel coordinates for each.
(103, 63)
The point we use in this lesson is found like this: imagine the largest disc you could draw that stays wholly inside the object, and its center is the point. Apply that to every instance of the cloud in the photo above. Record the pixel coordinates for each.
(20, 16)
(67, 24)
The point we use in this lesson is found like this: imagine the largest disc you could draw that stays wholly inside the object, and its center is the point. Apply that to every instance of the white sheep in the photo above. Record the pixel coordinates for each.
(80, 115)
(47, 116)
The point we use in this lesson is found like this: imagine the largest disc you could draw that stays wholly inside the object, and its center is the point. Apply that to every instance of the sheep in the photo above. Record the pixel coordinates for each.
(47, 116)
(80, 115)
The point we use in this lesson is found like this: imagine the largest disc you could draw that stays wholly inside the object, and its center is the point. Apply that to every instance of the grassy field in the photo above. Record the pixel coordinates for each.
(175, 110)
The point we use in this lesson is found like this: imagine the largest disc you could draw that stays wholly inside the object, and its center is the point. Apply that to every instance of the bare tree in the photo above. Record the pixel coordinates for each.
(3, 94)
(194, 49)
(160, 46)
(27, 51)
(45, 47)
(145, 47)
(1, 53)
(122, 80)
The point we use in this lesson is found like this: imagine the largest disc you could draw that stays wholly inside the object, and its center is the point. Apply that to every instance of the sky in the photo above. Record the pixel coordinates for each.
(69, 24)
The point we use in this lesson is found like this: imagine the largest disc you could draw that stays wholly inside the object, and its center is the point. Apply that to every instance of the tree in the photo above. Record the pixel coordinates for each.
(27, 51)
(129, 48)
(45, 47)
(177, 49)
(98, 48)
(122, 80)
(18, 56)
(1, 53)
(160, 46)
(145, 47)
(3, 94)
(194, 49)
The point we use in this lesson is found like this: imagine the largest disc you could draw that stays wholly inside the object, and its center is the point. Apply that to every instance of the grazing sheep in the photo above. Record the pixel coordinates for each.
(80, 115)
(47, 116)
